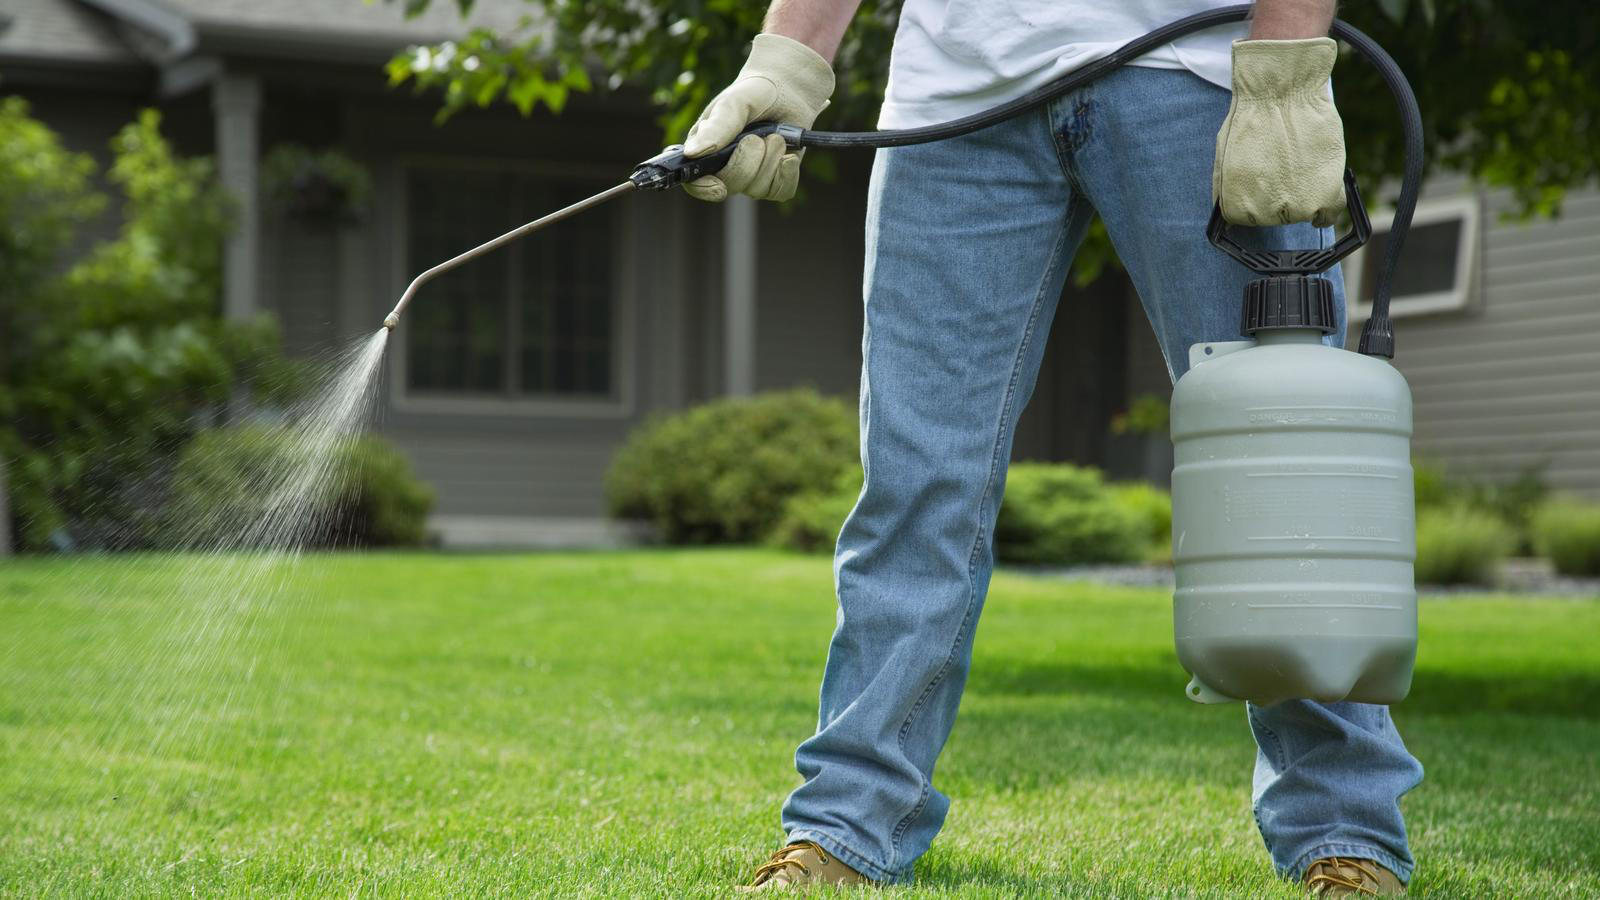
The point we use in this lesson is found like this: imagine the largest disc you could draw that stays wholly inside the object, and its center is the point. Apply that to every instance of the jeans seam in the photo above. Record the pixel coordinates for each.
(977, 543)
(1079, 107)
(1279, 761)
(841, 849)
(1348, 849)
(1056, 141)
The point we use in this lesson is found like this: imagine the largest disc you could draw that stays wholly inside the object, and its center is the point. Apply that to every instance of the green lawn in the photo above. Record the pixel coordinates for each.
(622, 725)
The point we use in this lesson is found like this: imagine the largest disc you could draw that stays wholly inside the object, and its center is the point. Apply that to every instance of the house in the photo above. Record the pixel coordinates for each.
(512, 380)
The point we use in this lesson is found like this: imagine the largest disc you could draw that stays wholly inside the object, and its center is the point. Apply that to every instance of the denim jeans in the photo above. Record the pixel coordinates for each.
(968, 245)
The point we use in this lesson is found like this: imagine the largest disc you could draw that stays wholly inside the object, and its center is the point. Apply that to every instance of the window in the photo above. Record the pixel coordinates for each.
(1437, 266)
(535, 319)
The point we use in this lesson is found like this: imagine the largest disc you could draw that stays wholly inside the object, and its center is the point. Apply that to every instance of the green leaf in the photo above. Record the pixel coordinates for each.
(525, 91)
(398, 69)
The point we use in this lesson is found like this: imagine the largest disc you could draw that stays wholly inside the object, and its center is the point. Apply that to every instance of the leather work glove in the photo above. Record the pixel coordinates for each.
(783, 81)
(1280, 152)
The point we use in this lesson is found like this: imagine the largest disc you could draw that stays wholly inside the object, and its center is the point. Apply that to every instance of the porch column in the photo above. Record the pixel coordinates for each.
(739, 295)
(236, 107)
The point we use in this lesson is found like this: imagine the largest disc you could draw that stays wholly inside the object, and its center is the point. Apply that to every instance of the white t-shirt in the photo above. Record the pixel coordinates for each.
(953, 58)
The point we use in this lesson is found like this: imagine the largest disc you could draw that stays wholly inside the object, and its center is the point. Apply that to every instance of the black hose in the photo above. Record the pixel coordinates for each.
(1377, 337)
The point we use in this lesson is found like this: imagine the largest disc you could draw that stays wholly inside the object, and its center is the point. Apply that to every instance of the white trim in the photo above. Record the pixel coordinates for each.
(236, 114)
(188, 74)
(1467, 208)
(171, 26)
(739, 295)
(543, 532)
(624, 341)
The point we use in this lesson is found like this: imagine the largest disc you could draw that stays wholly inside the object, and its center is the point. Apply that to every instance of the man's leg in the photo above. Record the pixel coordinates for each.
(968, 242)
(1328, 776)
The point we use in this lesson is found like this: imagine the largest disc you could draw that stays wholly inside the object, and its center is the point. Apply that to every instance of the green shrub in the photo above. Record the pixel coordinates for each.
(1566, 531)
(1053, 513)
(811, 521)
(1147, 414)
(1434, 487)
(227, 478)
(1460, 545)
(1153, 507)
(725, 470)
(1513, 501)
(1059, 514)
(112, 351)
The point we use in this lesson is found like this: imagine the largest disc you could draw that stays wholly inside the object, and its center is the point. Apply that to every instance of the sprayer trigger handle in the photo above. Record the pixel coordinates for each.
(670, 167)
(1296, 262)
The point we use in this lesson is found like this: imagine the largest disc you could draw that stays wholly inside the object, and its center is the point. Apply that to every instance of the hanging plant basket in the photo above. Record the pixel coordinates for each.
(320, 186)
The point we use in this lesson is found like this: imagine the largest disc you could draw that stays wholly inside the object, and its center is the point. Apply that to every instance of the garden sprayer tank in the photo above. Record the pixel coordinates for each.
(1293, 528)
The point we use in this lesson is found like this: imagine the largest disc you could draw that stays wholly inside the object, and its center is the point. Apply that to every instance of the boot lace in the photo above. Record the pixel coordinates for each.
(783, 860)
(1332, 875)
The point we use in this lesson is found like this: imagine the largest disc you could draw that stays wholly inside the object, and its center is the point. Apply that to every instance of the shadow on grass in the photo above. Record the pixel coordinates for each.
(964, 872)
(1568, 694)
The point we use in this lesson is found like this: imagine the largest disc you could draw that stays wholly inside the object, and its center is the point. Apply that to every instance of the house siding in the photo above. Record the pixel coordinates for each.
(808, 320)
(550, 462)
(330, 284)
(1512, 383)
(810, 316)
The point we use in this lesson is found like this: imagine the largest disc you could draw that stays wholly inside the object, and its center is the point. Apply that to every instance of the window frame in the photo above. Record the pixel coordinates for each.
(1468, 208)
(621, 402)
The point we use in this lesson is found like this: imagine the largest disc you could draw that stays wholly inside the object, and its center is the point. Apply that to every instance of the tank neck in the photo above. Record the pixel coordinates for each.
(1270, 336)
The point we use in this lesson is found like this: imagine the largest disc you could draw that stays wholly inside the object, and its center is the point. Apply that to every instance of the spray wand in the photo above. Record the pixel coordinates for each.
(666, 169)
(670, 167)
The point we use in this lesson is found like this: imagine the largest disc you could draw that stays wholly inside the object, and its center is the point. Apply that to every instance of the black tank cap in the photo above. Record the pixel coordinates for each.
(1292, 301)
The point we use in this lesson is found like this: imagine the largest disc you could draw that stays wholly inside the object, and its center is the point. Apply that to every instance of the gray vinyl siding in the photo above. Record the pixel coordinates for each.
(1513, 382)
(299, 280)
(808, 321)
(810, 315)
(550, 462)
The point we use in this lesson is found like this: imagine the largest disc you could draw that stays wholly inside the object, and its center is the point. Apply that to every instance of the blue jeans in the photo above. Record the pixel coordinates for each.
(968, 245)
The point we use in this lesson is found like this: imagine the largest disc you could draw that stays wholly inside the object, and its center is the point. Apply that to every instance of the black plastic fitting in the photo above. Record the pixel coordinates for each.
(670, 167)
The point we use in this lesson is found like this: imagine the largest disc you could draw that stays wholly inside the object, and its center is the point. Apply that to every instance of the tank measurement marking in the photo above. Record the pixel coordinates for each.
(1304, 474)
(1292, 415)
(1320, 537)
(1323, 606)
(1382, 409)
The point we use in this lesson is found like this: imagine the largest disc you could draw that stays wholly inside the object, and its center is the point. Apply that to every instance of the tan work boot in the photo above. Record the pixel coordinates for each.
(1343, 876)
(801, 865)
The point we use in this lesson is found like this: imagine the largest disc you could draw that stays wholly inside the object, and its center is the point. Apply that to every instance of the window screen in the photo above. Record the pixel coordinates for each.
(533, 319)
(1427, 263)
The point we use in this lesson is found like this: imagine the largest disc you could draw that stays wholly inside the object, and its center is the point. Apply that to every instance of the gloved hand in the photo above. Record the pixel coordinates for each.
(1280, 153)
(782, 81)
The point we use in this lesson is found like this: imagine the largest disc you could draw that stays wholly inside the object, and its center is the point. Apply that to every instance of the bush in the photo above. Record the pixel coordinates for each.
(1061, 514)
(1434, 487)
(725, 470)
(1460, 545)
(227, 479)
(1053, 513)
(1147, 414)
(1566, 531)
(1513, 501)
(811, 521)
(1153, 507)
(112, 353)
